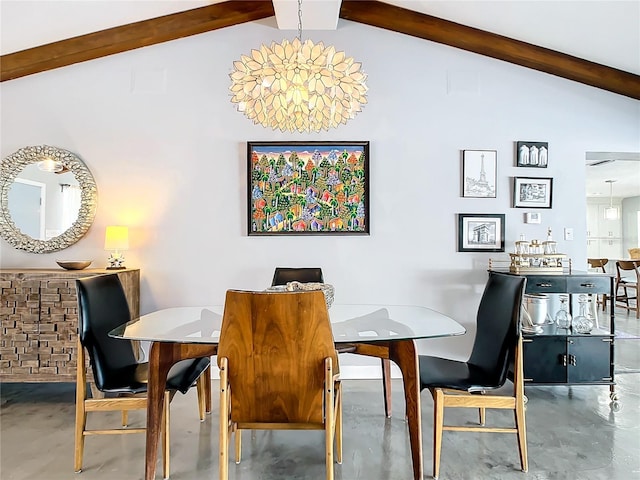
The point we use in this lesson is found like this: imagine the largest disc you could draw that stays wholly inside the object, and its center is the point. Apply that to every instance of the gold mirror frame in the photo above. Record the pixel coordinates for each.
(11, 168)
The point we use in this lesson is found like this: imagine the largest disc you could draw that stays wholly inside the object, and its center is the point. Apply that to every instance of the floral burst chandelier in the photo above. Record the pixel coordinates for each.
(298, 85)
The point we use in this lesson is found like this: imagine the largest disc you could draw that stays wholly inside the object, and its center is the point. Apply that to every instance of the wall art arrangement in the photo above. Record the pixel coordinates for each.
(308, 188)
(481, 232)
(532, 154)
(479, 169)
(530, 192)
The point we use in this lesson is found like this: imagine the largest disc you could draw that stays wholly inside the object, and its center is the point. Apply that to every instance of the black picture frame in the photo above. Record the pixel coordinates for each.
(532, 192)
(532, 154)
(308, 188)
(479, 173)
(481, 232)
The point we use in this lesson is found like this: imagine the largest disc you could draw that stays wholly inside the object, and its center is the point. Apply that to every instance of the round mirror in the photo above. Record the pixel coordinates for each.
(48, 199)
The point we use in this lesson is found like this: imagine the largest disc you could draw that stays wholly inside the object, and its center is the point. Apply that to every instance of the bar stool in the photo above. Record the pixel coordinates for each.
(626, 282)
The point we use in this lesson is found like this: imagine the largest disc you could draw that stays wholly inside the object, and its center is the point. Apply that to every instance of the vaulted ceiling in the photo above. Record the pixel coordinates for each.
(370, 12)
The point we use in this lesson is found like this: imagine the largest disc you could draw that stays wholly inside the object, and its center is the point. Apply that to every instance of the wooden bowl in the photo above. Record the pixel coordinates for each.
(73, 264)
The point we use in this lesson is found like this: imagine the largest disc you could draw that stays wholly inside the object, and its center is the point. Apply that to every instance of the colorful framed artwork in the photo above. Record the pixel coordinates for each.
(481, 232)
(532, 154)
(479, 173)
(530, 192)
(308, 188)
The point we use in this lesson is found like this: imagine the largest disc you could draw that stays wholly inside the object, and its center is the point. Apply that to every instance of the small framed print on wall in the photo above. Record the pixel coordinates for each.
(479, 173)
(481, 232)
(532, 154)
(530, 192)
(533, 217)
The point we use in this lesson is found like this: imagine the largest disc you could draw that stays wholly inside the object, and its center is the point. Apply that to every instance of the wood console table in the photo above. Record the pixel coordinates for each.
(39, 321)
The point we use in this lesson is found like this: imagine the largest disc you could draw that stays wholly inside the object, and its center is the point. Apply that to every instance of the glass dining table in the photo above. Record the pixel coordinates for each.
(383, 331)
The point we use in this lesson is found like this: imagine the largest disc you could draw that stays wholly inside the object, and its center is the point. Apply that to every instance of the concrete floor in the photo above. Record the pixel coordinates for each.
(573, 434)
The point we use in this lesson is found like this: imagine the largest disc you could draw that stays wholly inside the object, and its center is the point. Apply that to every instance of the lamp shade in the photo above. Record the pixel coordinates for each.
(116, 238)
(611, 213)
(50, 165)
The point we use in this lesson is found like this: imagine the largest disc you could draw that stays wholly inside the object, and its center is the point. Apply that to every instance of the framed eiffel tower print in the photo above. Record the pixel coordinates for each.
(479, 168)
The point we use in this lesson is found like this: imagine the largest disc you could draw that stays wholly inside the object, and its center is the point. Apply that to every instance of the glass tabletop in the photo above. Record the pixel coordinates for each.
(350, 324)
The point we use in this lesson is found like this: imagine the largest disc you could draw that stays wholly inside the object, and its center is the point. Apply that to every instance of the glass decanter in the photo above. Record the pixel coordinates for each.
(583, 323)
(563, 317)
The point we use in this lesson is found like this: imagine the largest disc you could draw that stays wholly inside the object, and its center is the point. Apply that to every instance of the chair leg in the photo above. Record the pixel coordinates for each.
(339, 423)
(386, 385)
(521, 424)
(438, 420)
(165, 435)
(125, 418)
(237, 434)
(626, 297)
(200, 387)
(522, 433)
(329, 420)
(81, 414)
(223, 467)
(483, 415)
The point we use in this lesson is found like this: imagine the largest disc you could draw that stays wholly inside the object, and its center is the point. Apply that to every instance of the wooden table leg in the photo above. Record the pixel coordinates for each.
(386, 385)
(161, 358)
(207, 383)
(158, 370)
(405, 354)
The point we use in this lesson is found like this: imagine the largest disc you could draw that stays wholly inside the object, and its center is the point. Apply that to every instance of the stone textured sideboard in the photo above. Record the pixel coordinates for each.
(39, 321)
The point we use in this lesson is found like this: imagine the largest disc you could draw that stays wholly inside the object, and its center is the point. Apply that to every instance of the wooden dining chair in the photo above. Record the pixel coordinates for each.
(284, 275)
(627, 280)
(277, 372)
(598, 264)
(497, 346)
(118, 375)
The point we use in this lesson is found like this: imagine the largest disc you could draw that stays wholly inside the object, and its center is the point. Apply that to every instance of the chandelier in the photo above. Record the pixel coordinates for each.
(297, 85)
(611, 212)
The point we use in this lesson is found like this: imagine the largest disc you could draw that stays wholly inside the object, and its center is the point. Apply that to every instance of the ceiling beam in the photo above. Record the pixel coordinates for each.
(401, 20)
(132, 36)
(369, 12)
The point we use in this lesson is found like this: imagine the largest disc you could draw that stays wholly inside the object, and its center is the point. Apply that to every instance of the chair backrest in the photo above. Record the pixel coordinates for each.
(598, 263)
(498, 326)
(284, 275)
(276, 362)
(102, 306)
(628, 266)
(634, 253)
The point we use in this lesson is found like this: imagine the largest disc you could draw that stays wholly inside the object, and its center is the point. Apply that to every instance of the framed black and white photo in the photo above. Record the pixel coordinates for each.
(532, 154)
(481, 232)
(479, 173)
(530, 192)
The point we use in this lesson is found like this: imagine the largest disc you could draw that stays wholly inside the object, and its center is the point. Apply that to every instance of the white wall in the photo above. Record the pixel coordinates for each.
(167, 149)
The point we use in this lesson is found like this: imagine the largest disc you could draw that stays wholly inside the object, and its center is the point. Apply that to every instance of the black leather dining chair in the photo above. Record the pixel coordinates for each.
(284, 275)
(497, 348)
(117, 373)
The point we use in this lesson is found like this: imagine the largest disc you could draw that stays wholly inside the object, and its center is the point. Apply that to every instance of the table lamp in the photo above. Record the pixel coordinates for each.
(116, 239)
